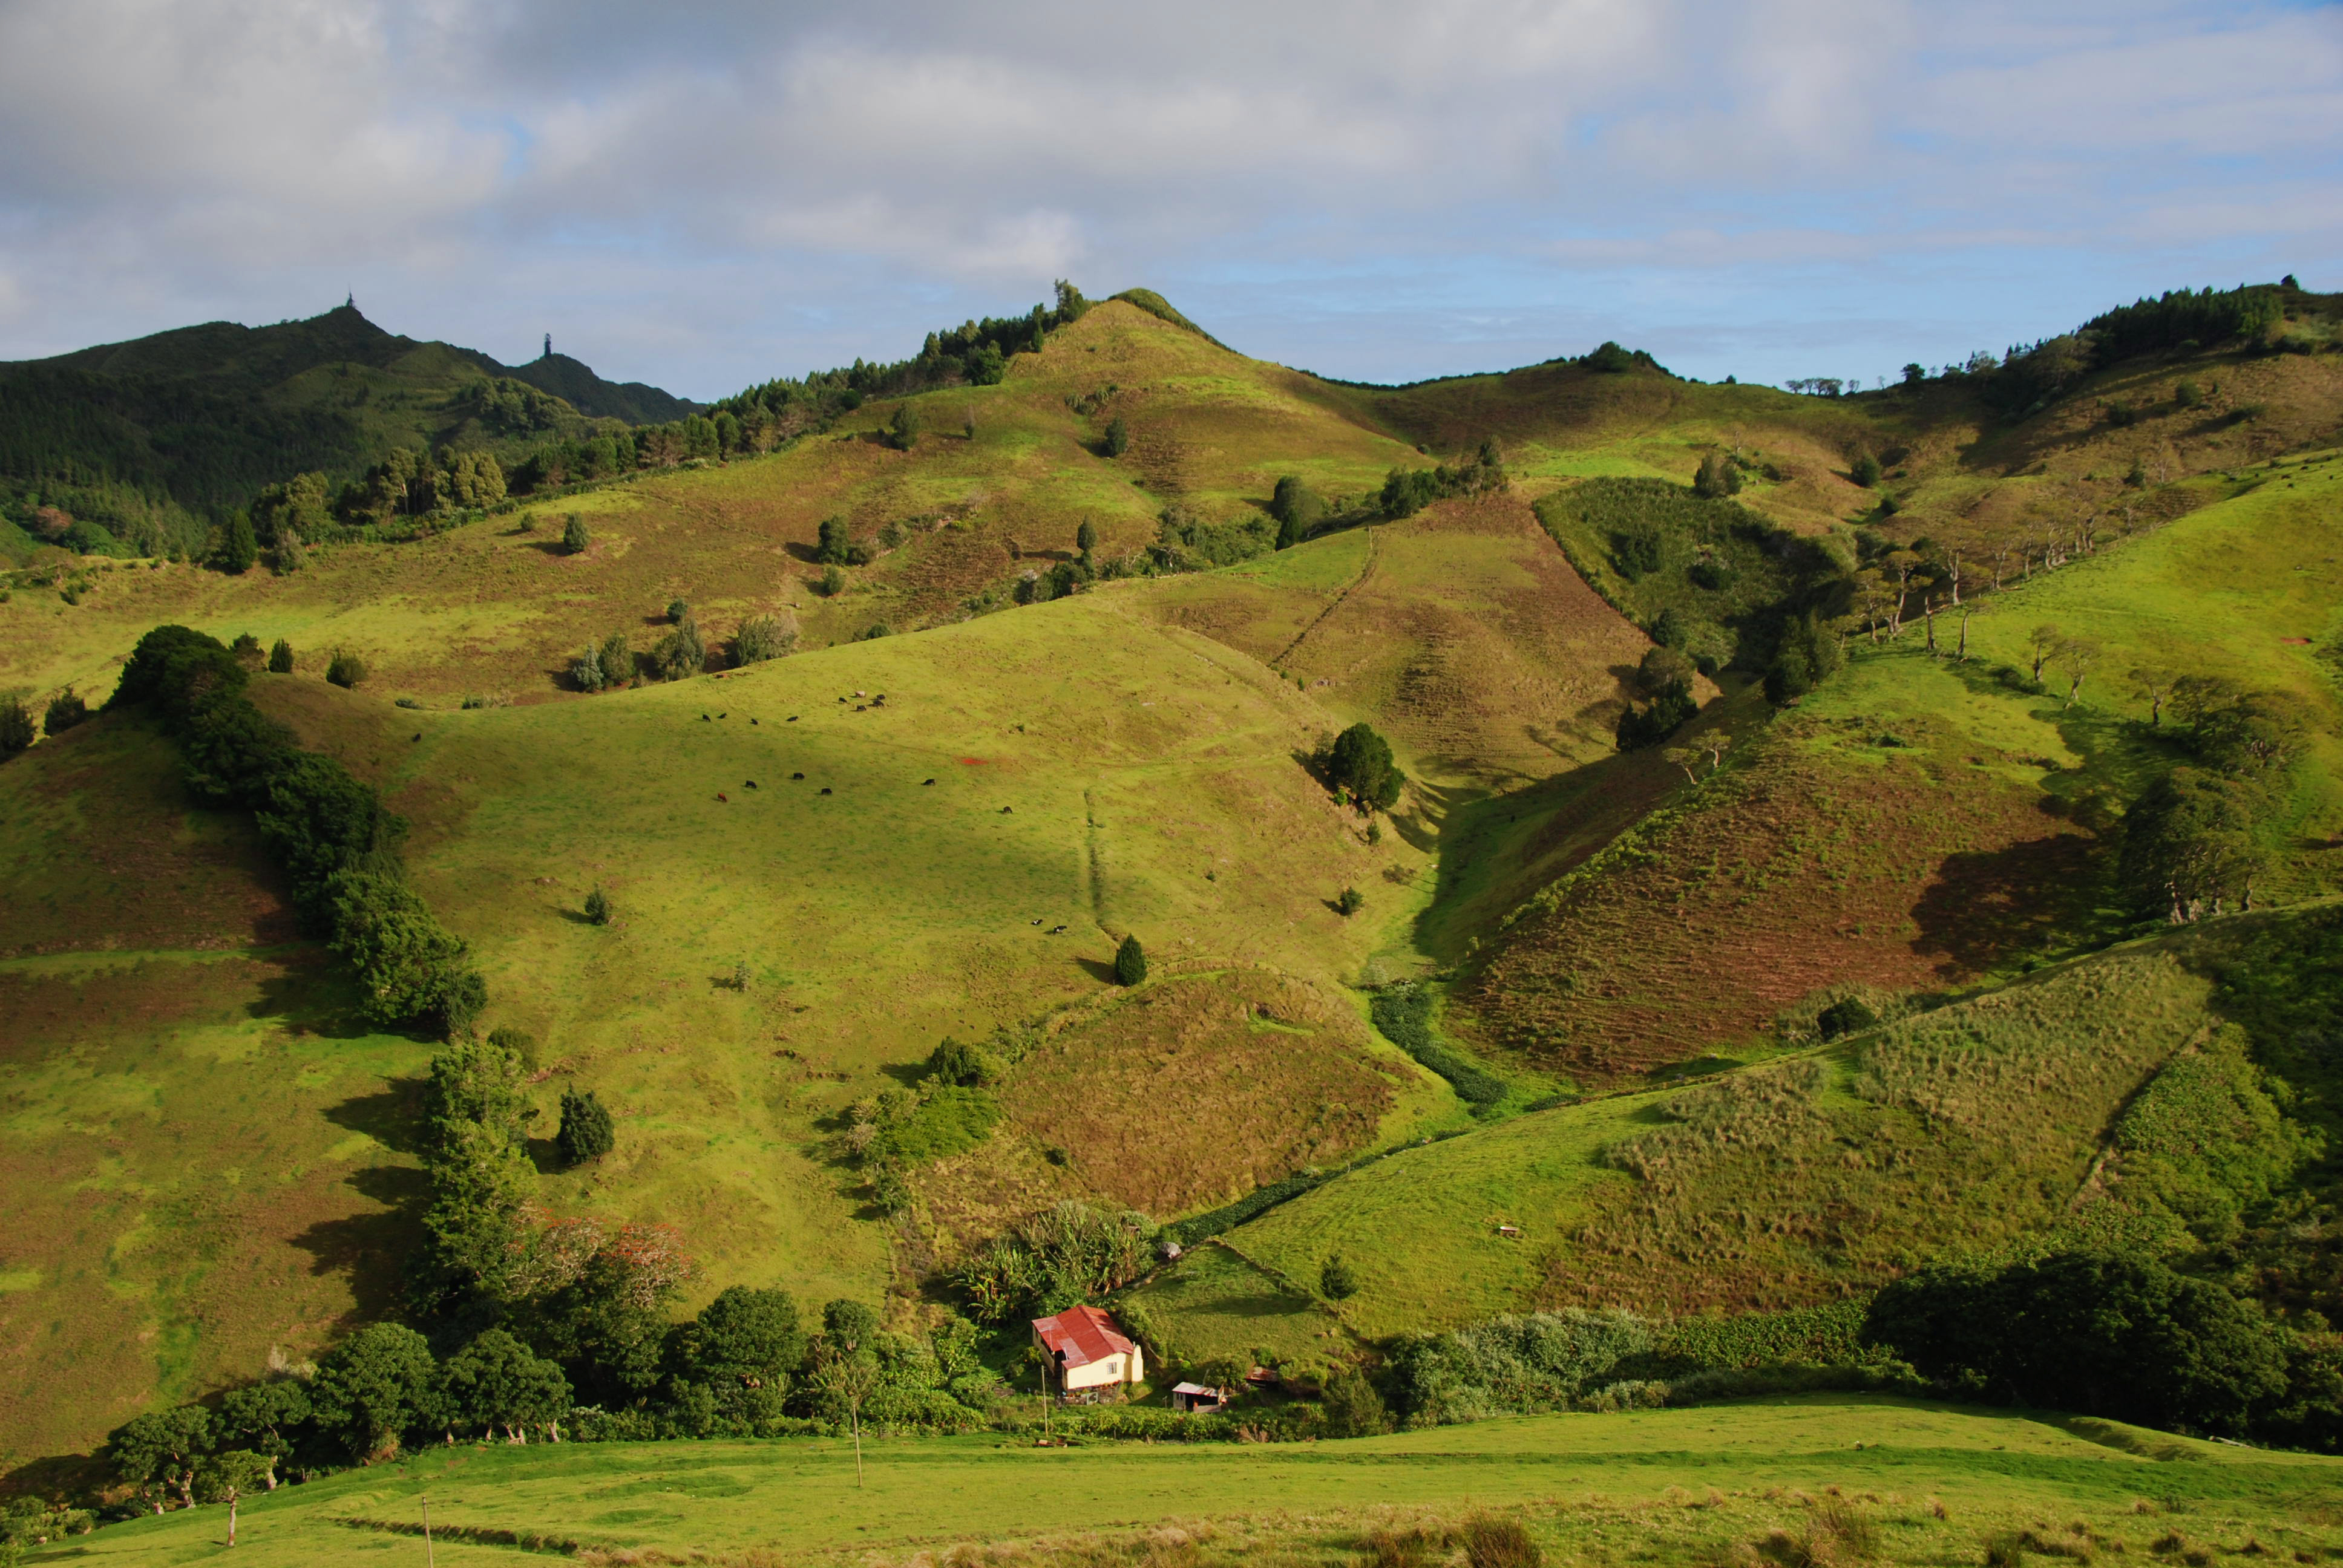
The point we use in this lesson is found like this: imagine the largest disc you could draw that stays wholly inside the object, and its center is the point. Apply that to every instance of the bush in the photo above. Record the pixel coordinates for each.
(680, 653)
(1718, 477)
(1352, 1406)
(2187, 395)
(345, 670)
(1297, 510)
(247, 649)
(586, 1131)
(832, 583)
(280, 657)
(65, 710)
(1668, 712)
(1118, 438)
(678, 612)
(1402, 1015)
(1865, 471)
(1350, 901)
(409, 966)
(833, 542)
(1806, 656)
(1065, 1255)
(575, 539)
(618, 659)
(1490, 1541)
(763, 637)
(597, 908)
(586, 670)
(903, 431)
(1637, 552)
(1337, 1281)
(1610, 359)
(1518, 1365)
(968, 1065)
(1086, 538)
(1130, 963)
(1846, 1016)
(16, 732)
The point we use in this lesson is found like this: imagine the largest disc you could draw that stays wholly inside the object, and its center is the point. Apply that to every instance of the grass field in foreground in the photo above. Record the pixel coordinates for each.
(1663, 1486)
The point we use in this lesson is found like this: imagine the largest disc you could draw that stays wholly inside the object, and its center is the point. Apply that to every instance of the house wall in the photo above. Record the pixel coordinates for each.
(1111, 1369)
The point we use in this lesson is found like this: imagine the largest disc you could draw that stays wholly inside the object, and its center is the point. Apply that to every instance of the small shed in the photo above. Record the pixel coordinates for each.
(1192, 1396)
(1090, 1350)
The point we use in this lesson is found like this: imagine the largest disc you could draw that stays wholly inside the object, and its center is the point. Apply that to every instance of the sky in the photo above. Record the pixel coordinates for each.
(704, 195)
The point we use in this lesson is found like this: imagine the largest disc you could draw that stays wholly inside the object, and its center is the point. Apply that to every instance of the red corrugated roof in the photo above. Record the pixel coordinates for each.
(1082, 1335)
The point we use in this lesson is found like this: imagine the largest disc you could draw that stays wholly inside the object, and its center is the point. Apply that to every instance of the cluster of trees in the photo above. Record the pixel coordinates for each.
(330, 833)
(19, 729)
(2114, 1335)
(1664, 678)
(1297, 508)
(683, 650)
(1407, 491)
(2193, 841)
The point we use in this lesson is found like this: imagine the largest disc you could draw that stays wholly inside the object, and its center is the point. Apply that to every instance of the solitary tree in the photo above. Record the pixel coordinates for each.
(345, 670)
(1337, 1279)
(903, 431)
(1361, 762)
(834, 542)
(1130, 963)
(1086, 538)
(1865, 470)
(1350, 901)
(1297, 510)
(586, 1130)
(1716, 477)
(1118, 438)
(2076, 657)
(16, 730)
(574, 535)
(280, 657)
(226, 1477)
(2042, 641)
(65, 710)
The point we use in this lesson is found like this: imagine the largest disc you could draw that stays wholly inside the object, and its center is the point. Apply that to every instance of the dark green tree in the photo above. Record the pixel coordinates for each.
(374, 1388)
(1361, 761)
(1350, 901)
(597, 907)
(16, 732)
(1130, 963)
(618, 659)
(280, 657)
(263, 1416)
(575, 536)
(742, 1347)
(1337, 1281)
(2190, 843)
(345, 670)
(586, 1130)
(496, 1383)
(1297, 510)
(1865, 470)
(678, 612)
(238, 546)
(1353, 1409)
(1806, 656)
(1716, 477)
(160, 1450)
(586, 670)
(903, 430)
(1118, 438)
(834, 542)
(65, 710)
(849, 1325)
(680, 653)
(1086, 538)
(958, 1063)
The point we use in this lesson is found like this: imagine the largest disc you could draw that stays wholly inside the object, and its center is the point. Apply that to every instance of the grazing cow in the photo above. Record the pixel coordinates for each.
(704, 719)
(1057, 931)
(926, 781)
(752, 784)
(719, 795)
(825, 788)
(794, 777)
(793, 719)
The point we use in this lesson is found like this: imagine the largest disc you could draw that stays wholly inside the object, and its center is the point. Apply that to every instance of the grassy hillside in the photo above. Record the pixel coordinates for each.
(1915, 1482)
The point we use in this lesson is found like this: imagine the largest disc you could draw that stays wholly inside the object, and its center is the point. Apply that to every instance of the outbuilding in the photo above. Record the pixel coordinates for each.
(1091, 1353)
(1196, 1396)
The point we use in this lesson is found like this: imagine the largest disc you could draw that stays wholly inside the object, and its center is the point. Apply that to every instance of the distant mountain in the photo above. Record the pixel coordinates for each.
(148, 437)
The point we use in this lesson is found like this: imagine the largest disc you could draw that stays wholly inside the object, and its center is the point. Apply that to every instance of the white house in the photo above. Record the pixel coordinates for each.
(1089, 1353)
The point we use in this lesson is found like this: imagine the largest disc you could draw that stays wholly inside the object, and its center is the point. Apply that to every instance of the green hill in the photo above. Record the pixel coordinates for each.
(812, 888)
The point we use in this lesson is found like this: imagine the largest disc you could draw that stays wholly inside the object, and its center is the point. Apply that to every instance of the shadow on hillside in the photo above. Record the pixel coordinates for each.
(369, 1249)
(392, 1116)
(548, 547)
(308, 996)
(1987, 906)
(1097, 970)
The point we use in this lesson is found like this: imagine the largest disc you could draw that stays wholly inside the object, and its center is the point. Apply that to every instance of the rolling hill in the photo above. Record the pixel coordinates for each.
(941, 814)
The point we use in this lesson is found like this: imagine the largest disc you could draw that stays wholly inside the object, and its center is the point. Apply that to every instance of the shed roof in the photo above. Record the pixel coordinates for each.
(1082, 1335)
(1195, 1388)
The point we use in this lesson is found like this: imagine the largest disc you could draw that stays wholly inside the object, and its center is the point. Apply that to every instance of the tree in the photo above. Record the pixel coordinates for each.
(1118, 438)
(238, 547)
(160, 1450)
(1806, 656)
(495, 1383)
(345, 670)
(681, 653)
(2076, 655)
(2189, 843)
(1361, 761)
(1716, 477)
(409, 966)
(2042, 642)
(226, 1476)
(586, 1131)
(678, 612)
(903, 431)
(1865, 470)
(1130, 963)
(1610, 359)
(258, 1415)
(481, 1178)
(1914, 374)
(597, 908)
(280, 657)
(586, 670)
(968, 1065)
(844, 1378)
(834, 542)
(575, 536)
(1297, 510)
(1353, 1408)
(1336, 1278)
(618, 659)
(742, 1347)
(1086, 538)
(374, 1387)
(1349, 903)
(16, 732)
(833, 582)
(65, 710)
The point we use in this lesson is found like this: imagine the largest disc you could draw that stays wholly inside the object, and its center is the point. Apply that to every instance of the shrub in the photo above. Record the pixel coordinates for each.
(1086, 537)
(1352, 1406)
(1669, 709)
(247, 649)
(280, 657)
(575, 539)
(345, 670)
(1118, 438)
(1846, 1016)
(1067, 1255)
(65, 710)
(2187, 395)
(1350, 901)
(833, 542)
(1718, 477)
(1716, 575)
(16, 732)
(1337, 1281)
(597, 908)
(238, 546)
(903, 430)
(1402, 1015)
(1636, 552)
(961, 1063)
(678, 612)
(1865, 471)
(763, 637)
(1490, 1541)
(1806, 656)
(1130, 963)
(1297, 510)
(409, 966)
(586, 1131)
(586, 670)
(1519, 1365)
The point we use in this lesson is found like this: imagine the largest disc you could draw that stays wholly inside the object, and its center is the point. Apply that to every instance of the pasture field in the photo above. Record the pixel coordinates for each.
(1927, 1483)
